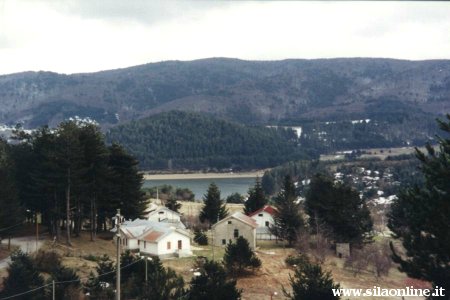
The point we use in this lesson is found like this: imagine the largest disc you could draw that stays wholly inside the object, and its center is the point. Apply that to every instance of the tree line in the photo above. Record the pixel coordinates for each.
(71, 177)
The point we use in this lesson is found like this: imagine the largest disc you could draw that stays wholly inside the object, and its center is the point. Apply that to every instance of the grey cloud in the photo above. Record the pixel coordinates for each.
(142, 11)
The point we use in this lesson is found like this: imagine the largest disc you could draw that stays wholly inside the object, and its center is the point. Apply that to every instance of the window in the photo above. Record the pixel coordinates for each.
(161, 212)
(229, 222)
(145, 244)
(224, 241)
(180, 244)
(267, 223)
(139, 242)
(260, 215)
(168, 245)
(236, 233)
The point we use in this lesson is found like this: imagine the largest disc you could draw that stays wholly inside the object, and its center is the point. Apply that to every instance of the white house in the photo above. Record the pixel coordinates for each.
(155, 238)
(264, 218)
(165, 241)
(131, 230)
(230, 228)
(163, 214)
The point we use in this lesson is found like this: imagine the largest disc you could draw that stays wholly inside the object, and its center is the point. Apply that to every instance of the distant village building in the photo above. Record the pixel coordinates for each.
(343, 250)
(153, 238)
(165, 241)
(264, 218)
(230, 228)
(165, 215)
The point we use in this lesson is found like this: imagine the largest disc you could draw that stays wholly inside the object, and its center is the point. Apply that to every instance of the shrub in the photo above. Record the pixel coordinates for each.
(200, 237)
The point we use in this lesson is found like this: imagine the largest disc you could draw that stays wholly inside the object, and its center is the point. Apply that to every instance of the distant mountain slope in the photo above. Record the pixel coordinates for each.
(253, 92)
(178, 140)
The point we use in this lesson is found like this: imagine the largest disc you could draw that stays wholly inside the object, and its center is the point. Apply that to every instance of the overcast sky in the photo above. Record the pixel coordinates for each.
(71, 36)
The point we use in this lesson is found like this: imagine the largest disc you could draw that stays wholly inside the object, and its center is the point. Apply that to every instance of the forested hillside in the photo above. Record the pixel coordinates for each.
(252, 92)
(177, 140)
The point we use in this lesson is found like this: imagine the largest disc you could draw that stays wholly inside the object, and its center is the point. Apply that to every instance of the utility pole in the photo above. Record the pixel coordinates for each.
(118, 255)
(53, 290)
(37, 232)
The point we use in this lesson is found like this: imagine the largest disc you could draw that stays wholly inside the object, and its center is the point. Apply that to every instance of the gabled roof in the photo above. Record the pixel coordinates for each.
(156, 211)
(138, 227)
(267, 208)
(153, 235)
(241, 217)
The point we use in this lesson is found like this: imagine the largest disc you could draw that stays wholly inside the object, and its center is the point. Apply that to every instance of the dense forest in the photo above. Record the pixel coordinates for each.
(177, 140)
(70, 177)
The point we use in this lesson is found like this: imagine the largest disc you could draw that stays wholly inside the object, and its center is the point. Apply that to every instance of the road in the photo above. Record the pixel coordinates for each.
(27, 244)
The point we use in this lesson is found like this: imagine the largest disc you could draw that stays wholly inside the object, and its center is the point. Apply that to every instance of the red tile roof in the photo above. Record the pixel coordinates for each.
(267, 208)
(152, 236)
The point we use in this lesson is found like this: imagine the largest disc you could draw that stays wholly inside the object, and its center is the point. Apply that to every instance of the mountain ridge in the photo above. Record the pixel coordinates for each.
(251, 92)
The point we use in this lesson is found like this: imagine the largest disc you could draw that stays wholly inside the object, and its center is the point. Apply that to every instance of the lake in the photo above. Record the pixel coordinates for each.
(227, 186)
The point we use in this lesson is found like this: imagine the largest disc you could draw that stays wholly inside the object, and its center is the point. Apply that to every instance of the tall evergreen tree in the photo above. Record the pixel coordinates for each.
(256, 198)
(126, 182)
(97, 171)
(420, 218)
(287, 218)
(340, 208)
(214, 209)
(212, 284)
(11, 213)
(69, 158)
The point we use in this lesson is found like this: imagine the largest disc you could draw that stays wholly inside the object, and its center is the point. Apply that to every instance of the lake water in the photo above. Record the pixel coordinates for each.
(199, 187)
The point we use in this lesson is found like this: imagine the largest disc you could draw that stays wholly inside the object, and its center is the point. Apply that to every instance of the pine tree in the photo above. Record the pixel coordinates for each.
(239, 257)
(173, 204)
(214, 208)
(200, 237)
(310, 282)
(420, 218)
(22, 277)
(213, 284)
(11, 213)
(125, 185)
(69, 158)
(339, 208)
(256, 198)
(287, 217)
(97, 171)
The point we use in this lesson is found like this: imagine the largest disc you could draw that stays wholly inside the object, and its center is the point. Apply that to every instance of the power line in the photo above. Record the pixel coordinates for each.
(27, 292)
(6, 228)
(67, 281)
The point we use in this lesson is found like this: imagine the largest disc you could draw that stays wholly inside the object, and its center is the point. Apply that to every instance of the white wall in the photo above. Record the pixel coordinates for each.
(261, 220)
(164, 214)
(225, 231)
(174, 238)
(150, 248)
(160, 248)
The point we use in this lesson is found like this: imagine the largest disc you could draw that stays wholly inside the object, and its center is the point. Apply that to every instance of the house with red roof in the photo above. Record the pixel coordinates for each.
(230, 228)
(165, 241)
(153, 238)
(264, 218)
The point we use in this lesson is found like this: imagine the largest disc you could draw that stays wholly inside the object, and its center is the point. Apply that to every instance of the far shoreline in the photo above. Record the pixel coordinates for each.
(175, 176)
